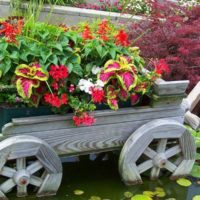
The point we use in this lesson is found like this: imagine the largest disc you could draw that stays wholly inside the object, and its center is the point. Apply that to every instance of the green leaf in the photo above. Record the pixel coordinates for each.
(99, 50)
(184, 182)
(112, 53)
(14, 55)
(57, 46)
(77, 70)
(5, 65)
(195, 171)
(95, 198)
(70, 67)
(89, 67)
(45, 54)
(53, 59)
(1, 73)
(3, 45)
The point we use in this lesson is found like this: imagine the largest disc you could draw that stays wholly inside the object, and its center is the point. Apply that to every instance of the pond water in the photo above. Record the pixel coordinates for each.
(100, 178)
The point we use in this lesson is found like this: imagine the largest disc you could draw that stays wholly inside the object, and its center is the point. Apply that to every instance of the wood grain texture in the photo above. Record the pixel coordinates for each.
(170, 87)
(17, 148)
(83, 140)
(192, 119)
(167, 100)
(138, 144)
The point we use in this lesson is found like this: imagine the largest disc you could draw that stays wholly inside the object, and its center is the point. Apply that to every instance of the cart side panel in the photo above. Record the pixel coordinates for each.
(110, 132)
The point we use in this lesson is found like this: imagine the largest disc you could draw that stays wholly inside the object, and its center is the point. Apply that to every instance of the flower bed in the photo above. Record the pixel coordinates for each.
(71, 15)
(71, 68)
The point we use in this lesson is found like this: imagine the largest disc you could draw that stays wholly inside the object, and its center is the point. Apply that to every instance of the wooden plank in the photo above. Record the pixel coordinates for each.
(23, 125)
(192, 119)
(193, 97)
(170, 87)
(50, 185)
(90, 139)
(167, 100)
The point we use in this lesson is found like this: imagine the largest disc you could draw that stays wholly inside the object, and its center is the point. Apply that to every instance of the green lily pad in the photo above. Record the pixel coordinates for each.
(197, 197)
(141, 197)
(78, 192)
(184, 182)
(128, 194)
(95, 198)
(148, 193)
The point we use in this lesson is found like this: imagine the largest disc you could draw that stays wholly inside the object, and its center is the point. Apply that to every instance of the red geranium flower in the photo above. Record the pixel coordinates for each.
(122, 38)
(54, 100)
(58, 72)
(97, 94)
(84, 119)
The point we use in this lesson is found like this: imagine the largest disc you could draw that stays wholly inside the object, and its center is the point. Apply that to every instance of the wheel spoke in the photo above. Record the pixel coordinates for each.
(173, 151)
(36, 181)
(150, 152)
(155, 171)
(21, 163)
(7, 172)
(170, 166)
(22, 191)
(7, 185)
(34, 167)
(145, 166)
(178, 160)
(161, 145)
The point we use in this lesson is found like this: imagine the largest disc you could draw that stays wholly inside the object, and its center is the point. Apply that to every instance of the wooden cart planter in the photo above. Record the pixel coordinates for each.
(152, 139)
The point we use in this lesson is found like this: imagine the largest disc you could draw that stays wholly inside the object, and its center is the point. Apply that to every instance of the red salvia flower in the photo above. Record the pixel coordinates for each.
(122, 38)
(103, 29)
(87, 35)
(97, 94)
(58, 72)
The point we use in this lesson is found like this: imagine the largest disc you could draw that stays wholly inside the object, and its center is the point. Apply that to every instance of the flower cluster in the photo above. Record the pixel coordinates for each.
(55, 101)
(74, 69)
(84, 119)
(11, 30)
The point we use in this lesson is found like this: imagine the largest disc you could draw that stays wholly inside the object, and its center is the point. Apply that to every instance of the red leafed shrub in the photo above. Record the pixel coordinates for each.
(171, 33)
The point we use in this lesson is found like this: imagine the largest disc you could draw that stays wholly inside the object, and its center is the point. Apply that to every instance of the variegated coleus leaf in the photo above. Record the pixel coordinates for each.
(25, 86)
(111, 92)
(113, 103)
(105, 76)
(127, 80)
(142, 88)
(135, 98)
(111, 66)
(31, 72)
(123, 94)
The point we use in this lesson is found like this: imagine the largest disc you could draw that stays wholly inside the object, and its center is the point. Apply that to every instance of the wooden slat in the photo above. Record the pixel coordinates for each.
(90, 139)
(170, 87)
(23, 125)
(192, 119)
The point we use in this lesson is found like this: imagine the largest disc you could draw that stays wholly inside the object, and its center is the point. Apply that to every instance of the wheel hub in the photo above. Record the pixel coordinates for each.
(22, 178)
(160, 160)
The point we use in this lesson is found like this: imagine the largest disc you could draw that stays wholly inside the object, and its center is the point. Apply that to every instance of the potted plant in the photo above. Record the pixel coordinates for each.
(73, 71)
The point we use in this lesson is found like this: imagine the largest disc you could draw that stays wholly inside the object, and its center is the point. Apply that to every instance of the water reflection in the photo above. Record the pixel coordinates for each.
(101, 178)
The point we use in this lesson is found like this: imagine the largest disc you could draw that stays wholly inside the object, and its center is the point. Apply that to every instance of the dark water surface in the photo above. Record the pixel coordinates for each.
(101, 178)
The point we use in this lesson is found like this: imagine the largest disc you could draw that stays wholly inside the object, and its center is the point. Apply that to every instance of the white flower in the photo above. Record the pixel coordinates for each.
(99, 83)
(85, 85)
(96, 70)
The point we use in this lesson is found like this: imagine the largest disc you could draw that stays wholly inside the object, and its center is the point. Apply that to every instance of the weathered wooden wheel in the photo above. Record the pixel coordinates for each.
(156, 146)
(25, 161)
